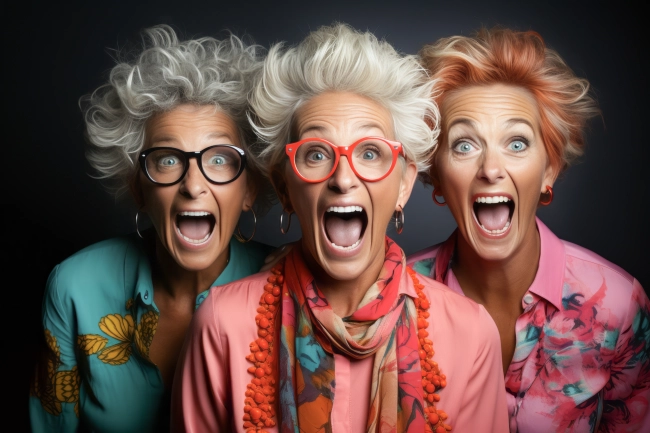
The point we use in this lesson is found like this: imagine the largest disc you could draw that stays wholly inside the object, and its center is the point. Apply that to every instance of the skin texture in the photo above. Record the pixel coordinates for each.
(494, 147)
(343, 118)
(184, 270)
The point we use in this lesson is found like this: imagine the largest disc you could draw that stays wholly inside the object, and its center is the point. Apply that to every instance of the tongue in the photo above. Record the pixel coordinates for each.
(343, 232)
(493, 216)
(194, 228)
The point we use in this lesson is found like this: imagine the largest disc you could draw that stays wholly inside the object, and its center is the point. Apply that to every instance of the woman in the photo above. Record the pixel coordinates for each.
(575, 329)
(171, 126)
(340, 335)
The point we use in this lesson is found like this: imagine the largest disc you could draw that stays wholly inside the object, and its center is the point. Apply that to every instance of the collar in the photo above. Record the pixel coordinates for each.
(549, 278)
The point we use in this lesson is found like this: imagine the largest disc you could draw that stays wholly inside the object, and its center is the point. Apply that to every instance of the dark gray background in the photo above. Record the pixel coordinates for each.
(57, 52)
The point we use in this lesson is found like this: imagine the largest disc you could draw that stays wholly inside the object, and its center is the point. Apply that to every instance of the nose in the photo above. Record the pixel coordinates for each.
(194, 184)
(343, 179)
(491, 167)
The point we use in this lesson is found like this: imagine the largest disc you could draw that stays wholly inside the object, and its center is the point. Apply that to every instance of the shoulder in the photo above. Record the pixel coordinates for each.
(108, 262)
(580, 259)
(458, 310)
(588, 271)
(600, 285)
(231, 305)
(423, 261)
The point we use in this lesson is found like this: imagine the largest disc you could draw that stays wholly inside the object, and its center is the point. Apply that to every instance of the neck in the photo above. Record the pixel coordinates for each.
(492, 282)
(177, 281)
(344, 296)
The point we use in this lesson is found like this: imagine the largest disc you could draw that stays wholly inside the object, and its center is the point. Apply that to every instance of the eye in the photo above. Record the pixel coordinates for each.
(217, 160)
(463, 147)
(369, 155)
(168, 161)
(316, 156)
(517, 145)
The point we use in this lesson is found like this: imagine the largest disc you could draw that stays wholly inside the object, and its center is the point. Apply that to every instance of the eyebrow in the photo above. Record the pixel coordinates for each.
(508, 123)
(514, 121)
(463, 121)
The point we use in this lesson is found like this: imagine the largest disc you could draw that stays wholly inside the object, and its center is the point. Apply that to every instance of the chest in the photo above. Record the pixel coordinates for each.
(559, 369)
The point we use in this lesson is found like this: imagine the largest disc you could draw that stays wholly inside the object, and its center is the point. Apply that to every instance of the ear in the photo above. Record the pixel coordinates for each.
(252, 189)
(550, 176)
(406, 186)
(280, 186)
(135, 186)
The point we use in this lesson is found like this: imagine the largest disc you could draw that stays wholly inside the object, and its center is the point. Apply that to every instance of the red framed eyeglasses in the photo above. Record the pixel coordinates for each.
(371, 158)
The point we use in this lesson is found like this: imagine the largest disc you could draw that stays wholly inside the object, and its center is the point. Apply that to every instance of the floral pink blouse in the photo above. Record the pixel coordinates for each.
(582, 356)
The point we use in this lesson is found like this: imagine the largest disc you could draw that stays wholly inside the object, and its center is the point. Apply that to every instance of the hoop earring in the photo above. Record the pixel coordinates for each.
(399, 220)
(549, 191)
(435, 200)
(137, 229)
(238, 234)
(282, 229)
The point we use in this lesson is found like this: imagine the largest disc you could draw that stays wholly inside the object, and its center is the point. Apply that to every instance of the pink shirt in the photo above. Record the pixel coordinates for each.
(582, 356)
(208, 392)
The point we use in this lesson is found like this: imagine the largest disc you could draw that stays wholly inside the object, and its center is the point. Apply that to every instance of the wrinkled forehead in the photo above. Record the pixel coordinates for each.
(500, 106)
(342, 117)
(195, 126)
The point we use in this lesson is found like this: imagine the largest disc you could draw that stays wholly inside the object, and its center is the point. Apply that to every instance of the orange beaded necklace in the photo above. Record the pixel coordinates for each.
(259, 402)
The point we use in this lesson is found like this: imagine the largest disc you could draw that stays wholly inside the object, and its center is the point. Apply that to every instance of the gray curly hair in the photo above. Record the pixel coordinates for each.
(164, 74)
(340, 58)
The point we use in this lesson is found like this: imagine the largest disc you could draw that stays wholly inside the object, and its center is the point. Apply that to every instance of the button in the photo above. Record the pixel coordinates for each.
(146, 296)
(528, 299)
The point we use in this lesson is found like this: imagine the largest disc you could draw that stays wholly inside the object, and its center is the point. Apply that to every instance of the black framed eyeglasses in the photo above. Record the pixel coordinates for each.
(220, 164)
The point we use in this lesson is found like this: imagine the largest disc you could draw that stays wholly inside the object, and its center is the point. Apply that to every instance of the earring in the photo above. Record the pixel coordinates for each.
(137, 229)
(399, 220)
(282, 229)
(549, 191)
(238, 234)
(435, 199)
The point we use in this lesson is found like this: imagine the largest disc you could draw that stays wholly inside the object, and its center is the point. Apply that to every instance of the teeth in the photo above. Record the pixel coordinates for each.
(495, 199)
(497, 232)
(354, 245)
(193, 241)
(197, 213)
(344, 209)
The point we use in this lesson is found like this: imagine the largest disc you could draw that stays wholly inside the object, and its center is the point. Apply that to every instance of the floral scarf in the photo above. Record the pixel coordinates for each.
(384, 327)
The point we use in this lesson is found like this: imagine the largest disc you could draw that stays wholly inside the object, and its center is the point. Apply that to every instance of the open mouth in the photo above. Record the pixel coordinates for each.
(345, 226)
(195, 227)
(494, 213)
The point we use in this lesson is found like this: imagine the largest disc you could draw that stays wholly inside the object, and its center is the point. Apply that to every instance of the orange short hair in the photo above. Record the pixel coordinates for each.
(505, 56)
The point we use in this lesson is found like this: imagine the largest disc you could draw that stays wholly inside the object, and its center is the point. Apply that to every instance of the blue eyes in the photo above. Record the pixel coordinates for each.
(517, 146)
(465, 147)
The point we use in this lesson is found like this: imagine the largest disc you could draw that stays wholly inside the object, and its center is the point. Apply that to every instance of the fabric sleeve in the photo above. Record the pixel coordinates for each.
(484, 406)
(54, 392)
(199, 400)
(626, 405)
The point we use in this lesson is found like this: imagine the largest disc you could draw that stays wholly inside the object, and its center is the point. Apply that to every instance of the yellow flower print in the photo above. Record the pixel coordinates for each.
(59, 386)
(118, 327)
(129, 303)
(90, 344)
(121, 328)
(145, 331)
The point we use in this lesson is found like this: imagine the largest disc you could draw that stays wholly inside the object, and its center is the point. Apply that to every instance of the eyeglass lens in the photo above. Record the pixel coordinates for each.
(220, 164)
(371, 159)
